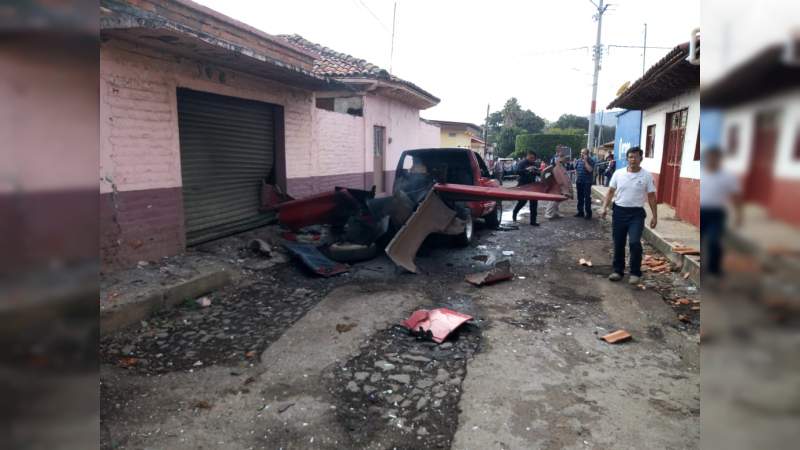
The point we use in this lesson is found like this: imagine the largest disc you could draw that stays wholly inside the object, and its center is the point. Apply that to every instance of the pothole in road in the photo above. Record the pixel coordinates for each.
(234, 330)
(401, 392)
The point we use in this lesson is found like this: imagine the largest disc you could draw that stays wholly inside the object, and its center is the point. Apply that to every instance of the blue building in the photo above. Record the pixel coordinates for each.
(628, 134)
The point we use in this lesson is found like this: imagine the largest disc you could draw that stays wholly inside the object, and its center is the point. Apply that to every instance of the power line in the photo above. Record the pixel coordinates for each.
(374, 16)
(640, 46)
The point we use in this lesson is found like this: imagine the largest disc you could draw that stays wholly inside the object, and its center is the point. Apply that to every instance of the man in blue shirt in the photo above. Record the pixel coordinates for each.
(584, 170)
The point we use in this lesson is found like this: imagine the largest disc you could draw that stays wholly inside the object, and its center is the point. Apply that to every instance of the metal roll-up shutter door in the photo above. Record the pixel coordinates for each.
(227, 148)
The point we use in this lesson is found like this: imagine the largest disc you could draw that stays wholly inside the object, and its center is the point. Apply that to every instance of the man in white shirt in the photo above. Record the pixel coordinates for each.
(718, 190)
(630, 188)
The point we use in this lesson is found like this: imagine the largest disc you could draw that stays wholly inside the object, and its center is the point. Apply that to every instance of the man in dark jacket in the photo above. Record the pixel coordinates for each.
(528, 169)
(583, 184)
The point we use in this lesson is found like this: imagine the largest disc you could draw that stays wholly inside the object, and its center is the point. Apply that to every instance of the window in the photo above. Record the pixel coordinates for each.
(733, 140)
(451, 134)
(697, 146)
(650, 142)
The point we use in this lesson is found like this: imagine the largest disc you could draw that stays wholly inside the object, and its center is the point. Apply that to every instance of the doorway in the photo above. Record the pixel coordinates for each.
(378, 155)
(674, 136)
(762, 159)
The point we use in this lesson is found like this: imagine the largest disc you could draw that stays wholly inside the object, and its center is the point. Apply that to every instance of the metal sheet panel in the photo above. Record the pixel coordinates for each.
(227, 149)
(628, 135)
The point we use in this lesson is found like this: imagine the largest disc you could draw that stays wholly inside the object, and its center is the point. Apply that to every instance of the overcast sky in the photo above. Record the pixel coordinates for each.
(470, 53)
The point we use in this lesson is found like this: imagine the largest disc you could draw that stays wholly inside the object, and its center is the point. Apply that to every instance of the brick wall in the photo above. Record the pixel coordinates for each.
(140, 178)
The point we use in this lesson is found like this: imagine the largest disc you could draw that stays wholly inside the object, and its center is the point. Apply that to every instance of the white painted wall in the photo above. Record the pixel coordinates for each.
(744, 116)
(657, 115)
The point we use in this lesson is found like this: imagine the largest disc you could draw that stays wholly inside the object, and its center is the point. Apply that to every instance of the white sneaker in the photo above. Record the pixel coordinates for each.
(633, 279)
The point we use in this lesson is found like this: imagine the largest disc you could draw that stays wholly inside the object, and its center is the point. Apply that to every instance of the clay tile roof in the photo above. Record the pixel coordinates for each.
(670, 76)
(331, 63)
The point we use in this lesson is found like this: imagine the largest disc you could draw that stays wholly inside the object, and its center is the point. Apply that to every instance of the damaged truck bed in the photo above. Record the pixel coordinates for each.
(430, 195)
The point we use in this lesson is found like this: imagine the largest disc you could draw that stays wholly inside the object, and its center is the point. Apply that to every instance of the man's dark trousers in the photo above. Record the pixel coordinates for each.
(712, 228)
(534, 208)
(584, 189)
(628, 223)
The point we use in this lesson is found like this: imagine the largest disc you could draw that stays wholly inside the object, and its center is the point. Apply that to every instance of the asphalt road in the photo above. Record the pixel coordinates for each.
(329, 369)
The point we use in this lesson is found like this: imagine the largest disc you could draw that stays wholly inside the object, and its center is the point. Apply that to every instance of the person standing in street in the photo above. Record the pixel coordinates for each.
(718, 190)
(610, 169)
(630, 188)
(527, 170)
(551, 212)
(584, 170)
(497, 171)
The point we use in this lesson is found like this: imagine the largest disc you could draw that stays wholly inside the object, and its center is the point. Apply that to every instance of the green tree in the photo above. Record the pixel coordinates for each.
(530, 122)
(507, 140)
(571, 121)
(511, 112)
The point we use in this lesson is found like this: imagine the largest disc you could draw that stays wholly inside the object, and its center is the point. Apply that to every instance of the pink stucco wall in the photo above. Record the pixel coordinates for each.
(429, 136)
(48, 114)
(141, 202)
(139, 147)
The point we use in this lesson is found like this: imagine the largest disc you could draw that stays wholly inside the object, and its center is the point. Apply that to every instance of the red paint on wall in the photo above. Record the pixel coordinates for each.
(40, 228)
(688, 201)
(782, 206)
(140, 226)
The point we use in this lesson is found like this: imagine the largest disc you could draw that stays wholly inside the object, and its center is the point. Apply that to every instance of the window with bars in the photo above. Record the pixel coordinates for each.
(650, 142)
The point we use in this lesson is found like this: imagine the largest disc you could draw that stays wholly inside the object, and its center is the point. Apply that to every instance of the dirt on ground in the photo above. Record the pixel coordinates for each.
(283, 359)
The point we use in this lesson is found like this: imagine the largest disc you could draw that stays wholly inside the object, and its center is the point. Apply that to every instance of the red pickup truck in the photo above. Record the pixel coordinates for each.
(418, 170)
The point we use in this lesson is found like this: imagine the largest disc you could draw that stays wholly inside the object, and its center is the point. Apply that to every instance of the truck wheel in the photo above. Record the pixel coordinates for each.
(465, 238)
(495, 217)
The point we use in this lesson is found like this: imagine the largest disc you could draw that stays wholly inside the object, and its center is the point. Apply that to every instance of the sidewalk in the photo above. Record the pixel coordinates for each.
(669, 233)
(132, 295)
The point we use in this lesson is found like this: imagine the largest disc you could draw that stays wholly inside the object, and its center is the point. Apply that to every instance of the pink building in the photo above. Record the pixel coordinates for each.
(197, 110)
(360, 133)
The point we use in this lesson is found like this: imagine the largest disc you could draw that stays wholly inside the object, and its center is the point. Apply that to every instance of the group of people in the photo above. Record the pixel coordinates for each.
(532, 168)
(629, 190)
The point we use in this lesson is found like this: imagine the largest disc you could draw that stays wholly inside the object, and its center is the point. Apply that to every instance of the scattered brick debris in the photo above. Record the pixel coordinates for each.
(616, 336)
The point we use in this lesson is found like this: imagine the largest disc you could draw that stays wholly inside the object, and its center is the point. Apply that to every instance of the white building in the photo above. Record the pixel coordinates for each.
(668, 95)
(761, 127)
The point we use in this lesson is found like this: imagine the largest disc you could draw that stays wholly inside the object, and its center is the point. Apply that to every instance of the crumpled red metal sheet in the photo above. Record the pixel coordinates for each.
(438, 323)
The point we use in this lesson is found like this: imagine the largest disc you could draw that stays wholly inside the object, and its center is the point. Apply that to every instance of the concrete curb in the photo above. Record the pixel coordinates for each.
(116, 317)
(690, 264)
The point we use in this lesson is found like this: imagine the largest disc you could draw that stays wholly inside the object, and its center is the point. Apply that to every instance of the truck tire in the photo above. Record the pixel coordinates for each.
(465, 238)
(494, 218)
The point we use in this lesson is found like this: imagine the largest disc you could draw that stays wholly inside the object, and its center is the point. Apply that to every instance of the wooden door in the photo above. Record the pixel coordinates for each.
(762, 159)
(670, 175)
(378, 155)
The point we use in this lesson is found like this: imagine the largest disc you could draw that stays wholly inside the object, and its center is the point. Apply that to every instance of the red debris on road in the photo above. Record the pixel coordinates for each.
(435, 323)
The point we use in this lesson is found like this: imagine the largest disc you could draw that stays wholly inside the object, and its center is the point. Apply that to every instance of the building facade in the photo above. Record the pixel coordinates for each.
(759, 104)
(461, 135)
(197, 111)
(668, 97)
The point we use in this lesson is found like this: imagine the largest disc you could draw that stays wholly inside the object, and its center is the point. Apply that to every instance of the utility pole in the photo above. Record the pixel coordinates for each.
(600, 131)
(644, 48)
(598, 53)
(486, 132)
(391, 52)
